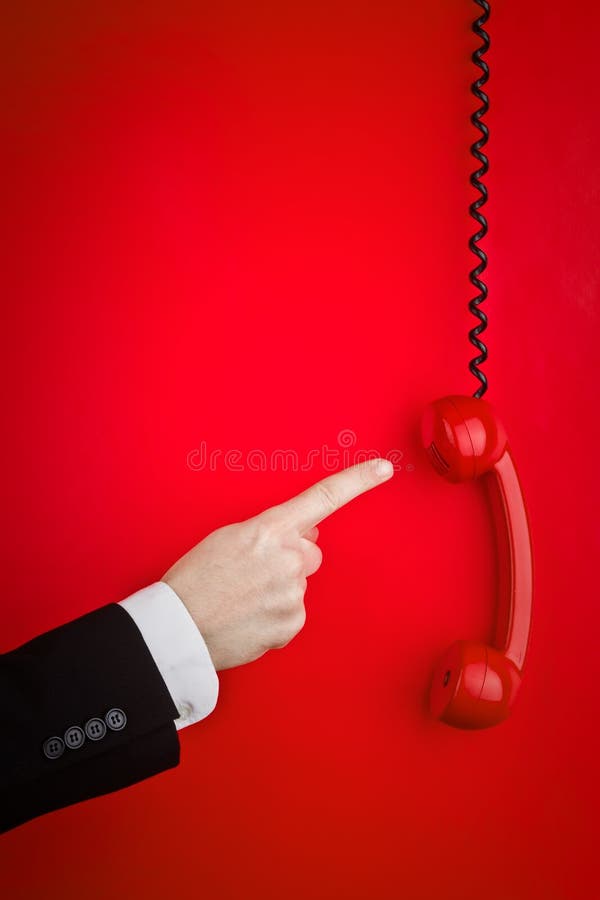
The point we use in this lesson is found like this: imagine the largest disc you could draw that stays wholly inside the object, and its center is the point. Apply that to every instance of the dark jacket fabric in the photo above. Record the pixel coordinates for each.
(84, 711)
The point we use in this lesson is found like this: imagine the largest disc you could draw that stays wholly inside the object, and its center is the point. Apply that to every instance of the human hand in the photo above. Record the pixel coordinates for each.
(244, 584)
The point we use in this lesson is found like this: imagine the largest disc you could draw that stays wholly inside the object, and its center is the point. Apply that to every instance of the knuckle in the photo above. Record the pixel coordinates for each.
(300, 619)
(318, 557)
(288, 632)
(218, 533)
(278, 605)
(281, 639)
(292, 599)
(298, 595)
(326, 495)
(262, 531)
(296, 563)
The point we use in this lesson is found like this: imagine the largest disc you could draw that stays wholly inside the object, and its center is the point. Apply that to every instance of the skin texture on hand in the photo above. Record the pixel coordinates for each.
(244, 584)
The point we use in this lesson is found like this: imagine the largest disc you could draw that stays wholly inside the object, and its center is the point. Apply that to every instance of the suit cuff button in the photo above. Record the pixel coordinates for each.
(116, 719)
(53, 747)
(74, 737)
(95, 729)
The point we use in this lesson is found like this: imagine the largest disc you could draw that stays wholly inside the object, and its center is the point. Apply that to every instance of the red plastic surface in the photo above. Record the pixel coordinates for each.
(515, 584)
(246, 223)
(474, 685)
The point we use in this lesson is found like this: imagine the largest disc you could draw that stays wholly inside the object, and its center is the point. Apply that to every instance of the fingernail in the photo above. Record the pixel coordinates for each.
(384, 468)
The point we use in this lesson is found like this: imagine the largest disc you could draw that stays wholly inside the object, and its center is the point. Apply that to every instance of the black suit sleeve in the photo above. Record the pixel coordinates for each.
(84, 711)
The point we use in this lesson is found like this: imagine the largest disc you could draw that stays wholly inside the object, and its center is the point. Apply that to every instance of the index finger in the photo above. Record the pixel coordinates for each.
(327, 496)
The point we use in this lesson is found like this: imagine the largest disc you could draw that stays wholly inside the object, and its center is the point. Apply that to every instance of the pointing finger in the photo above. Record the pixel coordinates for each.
(307, 509)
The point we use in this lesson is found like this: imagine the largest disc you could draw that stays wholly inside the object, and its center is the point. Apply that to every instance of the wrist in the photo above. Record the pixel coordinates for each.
(178, 649)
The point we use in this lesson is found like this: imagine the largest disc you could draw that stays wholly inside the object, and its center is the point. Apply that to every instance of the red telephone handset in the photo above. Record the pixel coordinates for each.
(474, 684)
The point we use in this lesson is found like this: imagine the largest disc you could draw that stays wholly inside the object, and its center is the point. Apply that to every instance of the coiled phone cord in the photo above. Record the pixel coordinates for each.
(475, 207)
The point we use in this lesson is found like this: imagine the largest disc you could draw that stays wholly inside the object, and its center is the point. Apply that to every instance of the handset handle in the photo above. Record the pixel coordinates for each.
(515, 560)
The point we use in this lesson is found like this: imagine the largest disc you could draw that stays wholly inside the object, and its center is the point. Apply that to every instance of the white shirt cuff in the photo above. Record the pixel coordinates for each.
(178, 649)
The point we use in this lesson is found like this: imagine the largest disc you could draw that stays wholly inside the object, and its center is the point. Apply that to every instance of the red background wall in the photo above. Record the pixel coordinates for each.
(245, 223)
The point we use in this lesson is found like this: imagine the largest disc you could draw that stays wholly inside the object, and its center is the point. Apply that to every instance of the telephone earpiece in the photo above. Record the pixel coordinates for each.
(474, 684)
